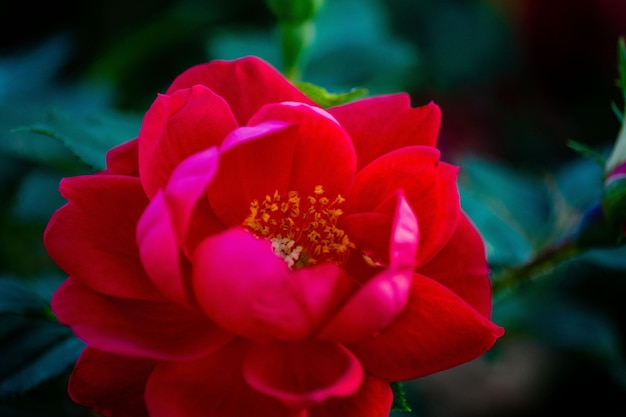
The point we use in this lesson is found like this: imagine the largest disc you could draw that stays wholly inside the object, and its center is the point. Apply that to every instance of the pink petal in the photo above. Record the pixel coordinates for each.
(148, 329)
(177, 126)
(373, 399)
(302, 374)
(462, 267)
(209, 386)
(160, 253)
(384, 297)
(314, 150)
(109, 384)
(404, 237)
(92, 237)
(428, 184)
(247, 289)
(371, 309)
(246, 83)
(187, 186)
(436, 331)
(382, 124)
(123, 159)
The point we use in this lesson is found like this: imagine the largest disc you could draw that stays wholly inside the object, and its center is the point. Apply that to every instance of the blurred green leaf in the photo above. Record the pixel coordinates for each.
(89, 137)
(327, 99)
(37, 196)
(613, 258)
(353, 47)
(34, 347)
(621, 65)
(511, 209)
(580, 183)
(564, 324)
(504, 244)
(39, 352)
(588, 152)
(17, 297)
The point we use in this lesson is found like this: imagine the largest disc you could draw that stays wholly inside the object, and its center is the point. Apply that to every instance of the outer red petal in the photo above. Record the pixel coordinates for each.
(302, 374)
(112, 385)
(124, 159)
(299, 148)
(436, 331)
(177, 126)
(246, 83)
(382, 124)
(373, 399)
(429, 186)
(250, 291)
(147, 329)
(210, 386)
(462, 267)
(92, 237)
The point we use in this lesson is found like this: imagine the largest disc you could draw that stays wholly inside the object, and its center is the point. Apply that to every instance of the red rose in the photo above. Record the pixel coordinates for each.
(251, 254)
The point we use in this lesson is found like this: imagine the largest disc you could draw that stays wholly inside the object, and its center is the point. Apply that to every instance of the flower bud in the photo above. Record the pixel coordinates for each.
(605, 223)
(294, 11)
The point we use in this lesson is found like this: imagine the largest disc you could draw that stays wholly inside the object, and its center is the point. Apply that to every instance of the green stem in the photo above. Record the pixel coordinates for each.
(544, 263)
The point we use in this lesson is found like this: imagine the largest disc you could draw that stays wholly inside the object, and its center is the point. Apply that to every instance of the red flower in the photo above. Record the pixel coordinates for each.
(250, 254)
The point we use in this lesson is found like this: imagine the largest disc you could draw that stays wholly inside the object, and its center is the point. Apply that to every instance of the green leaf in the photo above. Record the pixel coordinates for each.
(327, 99)
(399, 398)
(621, 65)
(566, 325)
(37, 196)
(17, 297)
(612, 258)
(46, 359)
(504, 244)
(511, 209)
(34, 347)
(88, 136)
(587, 151)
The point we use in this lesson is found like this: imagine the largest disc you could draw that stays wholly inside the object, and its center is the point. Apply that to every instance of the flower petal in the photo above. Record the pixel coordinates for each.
(238, 81)
(384, 296)
(428, 184)
(111, 384)
(324, 153)
(382, 124)
(161, 254)
(373, 399)
(146, 329)
(209, 386)
(302, 374)
(436, 331)
(462, 267)
(187, 186)
(92, 237)
(123, 159)
(305, 148)
(247, 289)
(177, 126)
(371, 309)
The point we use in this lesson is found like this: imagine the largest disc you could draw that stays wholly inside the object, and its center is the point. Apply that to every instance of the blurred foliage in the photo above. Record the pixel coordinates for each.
(517, 81)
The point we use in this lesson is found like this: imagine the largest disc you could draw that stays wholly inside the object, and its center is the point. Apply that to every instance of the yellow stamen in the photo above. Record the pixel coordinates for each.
(301, 235)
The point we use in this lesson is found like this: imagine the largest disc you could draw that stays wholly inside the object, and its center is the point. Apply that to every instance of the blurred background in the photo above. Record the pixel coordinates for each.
(517, 80)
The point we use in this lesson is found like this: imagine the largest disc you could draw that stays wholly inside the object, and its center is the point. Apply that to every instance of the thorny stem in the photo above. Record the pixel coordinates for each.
(542, 264)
